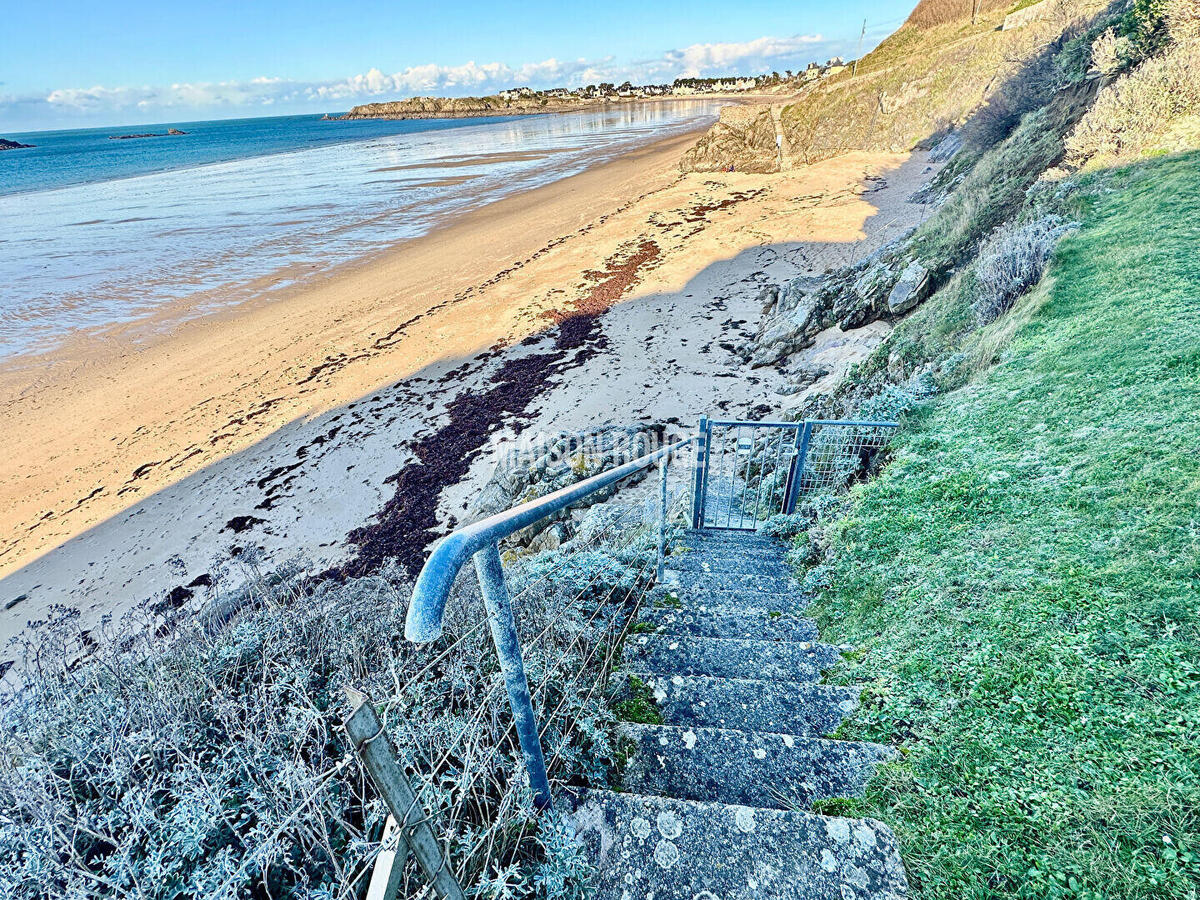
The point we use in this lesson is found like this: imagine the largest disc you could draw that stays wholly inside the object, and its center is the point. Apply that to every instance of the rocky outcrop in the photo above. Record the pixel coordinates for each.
(13, 145)
(171, 132)
(742, 140)
(889, 282)
(466, 107)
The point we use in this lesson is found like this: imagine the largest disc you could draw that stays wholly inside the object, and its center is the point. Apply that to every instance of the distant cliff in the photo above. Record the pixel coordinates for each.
(462, 107)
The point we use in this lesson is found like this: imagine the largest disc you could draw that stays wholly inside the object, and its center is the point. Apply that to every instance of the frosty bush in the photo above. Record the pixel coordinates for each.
(786, 526)
(1147, 109)
(209, 760)
(1012, 260)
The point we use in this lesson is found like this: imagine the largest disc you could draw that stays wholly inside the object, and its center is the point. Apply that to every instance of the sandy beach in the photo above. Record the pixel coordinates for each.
(145, 462)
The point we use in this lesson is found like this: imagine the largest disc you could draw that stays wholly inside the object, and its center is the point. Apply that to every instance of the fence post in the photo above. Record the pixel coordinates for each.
(662, 518)
(512, 666)
(378, 757)
(795, 478)
(389, 864)
(699, 479)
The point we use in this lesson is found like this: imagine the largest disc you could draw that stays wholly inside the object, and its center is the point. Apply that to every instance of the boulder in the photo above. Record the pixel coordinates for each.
(909, 290)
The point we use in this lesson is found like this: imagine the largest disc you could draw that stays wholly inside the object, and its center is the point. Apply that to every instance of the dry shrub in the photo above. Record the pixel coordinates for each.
(1012, 260)
(1111, 52)
(929, 13)
(1183, 20)
(1142, 111)
(210, 761)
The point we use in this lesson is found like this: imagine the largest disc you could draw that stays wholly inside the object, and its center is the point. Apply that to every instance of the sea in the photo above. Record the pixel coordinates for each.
(100, 232)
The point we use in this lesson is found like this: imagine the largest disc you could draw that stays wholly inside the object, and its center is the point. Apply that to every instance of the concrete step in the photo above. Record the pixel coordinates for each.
(722, 581)
(786, 707)
(722, 539)
(660, 654)
(731, 621)
(753, 768)
(698, 598)
(776, 553)
(680, 850)
(731, 564)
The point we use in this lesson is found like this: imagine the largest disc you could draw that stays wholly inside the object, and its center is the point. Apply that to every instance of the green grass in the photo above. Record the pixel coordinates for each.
(1025, 580)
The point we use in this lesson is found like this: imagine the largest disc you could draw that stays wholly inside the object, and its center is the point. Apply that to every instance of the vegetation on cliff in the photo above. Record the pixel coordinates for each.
(1022, 578)
(930, 77)
(206, 757)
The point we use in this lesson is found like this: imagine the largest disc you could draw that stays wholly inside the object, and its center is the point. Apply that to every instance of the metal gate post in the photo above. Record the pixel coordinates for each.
(662, 519)
(508, 649)
(699, 479)
(795, 477)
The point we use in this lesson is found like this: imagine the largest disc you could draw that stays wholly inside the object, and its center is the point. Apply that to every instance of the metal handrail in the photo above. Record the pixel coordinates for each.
(480, 540)
(428, 607)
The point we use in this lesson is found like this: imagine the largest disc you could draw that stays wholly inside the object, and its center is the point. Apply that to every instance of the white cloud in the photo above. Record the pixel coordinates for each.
(703, 59)
(281, 94)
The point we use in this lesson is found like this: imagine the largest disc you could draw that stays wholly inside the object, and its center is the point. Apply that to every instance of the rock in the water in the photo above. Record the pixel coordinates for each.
(13, 145)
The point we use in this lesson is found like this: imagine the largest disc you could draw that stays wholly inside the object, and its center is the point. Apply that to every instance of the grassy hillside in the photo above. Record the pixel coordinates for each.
(930, 76)
(1024, 579)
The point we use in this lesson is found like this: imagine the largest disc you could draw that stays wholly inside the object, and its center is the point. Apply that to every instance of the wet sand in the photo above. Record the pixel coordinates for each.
(147, 462)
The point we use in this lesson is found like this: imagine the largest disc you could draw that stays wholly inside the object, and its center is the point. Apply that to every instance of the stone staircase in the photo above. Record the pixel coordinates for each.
(713, 801)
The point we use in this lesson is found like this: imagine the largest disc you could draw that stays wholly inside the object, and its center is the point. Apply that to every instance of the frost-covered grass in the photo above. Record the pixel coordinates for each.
(209, 761)
(1024, 581)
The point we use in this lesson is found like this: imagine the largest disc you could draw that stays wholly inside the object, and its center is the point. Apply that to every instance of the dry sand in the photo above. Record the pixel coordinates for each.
(151, 458)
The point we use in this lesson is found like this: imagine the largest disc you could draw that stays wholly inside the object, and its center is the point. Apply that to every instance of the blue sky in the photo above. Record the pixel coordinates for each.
(72, 64)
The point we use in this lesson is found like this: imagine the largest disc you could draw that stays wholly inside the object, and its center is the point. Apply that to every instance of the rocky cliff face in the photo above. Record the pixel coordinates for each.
(743, 137)
(464, 107)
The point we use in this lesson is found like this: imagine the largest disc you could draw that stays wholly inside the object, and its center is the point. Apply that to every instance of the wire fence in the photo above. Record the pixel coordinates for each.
(756, 470)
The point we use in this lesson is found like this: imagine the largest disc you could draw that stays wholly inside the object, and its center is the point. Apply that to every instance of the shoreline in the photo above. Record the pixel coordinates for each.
(282, 424)
(122, 353)
(165, 321)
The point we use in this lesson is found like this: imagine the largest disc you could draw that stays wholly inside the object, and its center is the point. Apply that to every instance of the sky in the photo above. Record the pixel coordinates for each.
(72, 64)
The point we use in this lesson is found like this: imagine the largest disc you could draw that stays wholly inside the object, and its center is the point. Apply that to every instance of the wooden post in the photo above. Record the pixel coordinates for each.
(379, 759)
(389, 865)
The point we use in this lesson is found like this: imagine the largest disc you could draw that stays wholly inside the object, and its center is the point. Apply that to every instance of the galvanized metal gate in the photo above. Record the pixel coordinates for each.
(747, 472)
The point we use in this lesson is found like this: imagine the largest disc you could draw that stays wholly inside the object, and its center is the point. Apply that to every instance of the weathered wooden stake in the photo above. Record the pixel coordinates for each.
(389, 865)
(379, 759)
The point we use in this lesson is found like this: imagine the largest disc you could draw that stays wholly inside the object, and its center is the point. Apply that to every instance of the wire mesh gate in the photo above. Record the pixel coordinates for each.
(747, 472)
